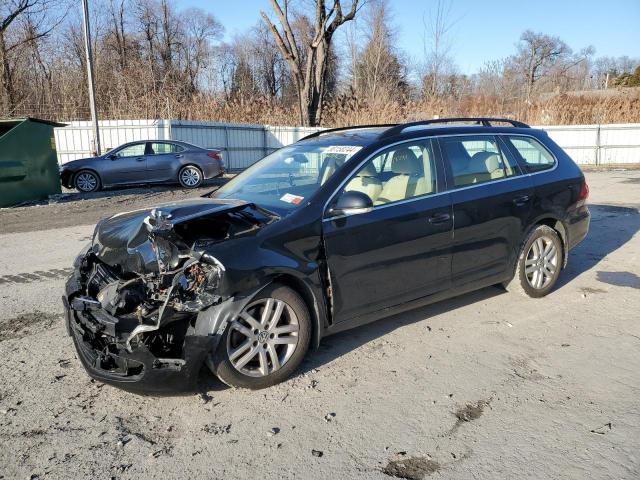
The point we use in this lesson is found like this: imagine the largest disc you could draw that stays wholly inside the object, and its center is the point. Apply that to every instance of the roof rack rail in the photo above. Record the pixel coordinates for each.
(484, 121)
(354, 127)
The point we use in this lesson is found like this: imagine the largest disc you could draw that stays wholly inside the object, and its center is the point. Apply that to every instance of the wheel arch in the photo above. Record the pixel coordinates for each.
(189, 163)
(310, 301)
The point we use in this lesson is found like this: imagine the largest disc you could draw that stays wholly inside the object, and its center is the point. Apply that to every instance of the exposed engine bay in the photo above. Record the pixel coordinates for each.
(137, 290)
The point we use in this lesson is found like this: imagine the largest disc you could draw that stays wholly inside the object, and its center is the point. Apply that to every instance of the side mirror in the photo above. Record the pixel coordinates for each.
(351, 203)
(111, 156)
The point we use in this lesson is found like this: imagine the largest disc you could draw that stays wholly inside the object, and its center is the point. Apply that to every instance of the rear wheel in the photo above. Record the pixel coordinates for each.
(86, 181)
(190, 176)
(266, 343)
(539, 263)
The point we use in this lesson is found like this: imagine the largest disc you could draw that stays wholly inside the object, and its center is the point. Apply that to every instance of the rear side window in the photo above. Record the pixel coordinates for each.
(161, 148)
(475, 160)
(532, 154)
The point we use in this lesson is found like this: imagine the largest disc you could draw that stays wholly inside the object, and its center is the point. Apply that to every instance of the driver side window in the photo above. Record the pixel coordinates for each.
(398, 173)
(135, 150)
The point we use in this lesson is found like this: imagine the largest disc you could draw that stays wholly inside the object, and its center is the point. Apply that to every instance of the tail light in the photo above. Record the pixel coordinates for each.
(584, 193)
(214, 155)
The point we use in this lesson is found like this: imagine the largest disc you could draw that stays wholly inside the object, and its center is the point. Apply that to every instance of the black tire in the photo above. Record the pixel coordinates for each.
(86, 181)
(225, 370)
(523, 281)
(190, 176)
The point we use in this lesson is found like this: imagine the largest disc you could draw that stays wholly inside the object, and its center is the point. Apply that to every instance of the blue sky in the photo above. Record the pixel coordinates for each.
(486, 29)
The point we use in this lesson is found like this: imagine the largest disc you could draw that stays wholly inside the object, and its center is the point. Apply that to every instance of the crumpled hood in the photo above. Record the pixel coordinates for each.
(123, 239)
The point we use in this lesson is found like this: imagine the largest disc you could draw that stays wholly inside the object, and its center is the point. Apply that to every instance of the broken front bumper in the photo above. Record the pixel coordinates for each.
(137, 371)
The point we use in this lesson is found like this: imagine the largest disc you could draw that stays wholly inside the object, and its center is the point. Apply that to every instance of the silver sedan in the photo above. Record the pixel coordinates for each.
(150, 161)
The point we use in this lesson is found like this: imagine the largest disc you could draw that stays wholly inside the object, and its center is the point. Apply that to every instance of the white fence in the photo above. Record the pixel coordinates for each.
(598, 144)
(244, 144)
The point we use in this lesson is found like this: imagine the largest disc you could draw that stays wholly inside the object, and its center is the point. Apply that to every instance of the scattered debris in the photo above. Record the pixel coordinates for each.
(470, 411)
(64, 362)
(205, 397)
(162, 451)
(428, 328)
(273, 431)
(329, 416)
(216, 429)
(565, 345)
(21, 326)
(317, 453)
(413, 468)
(600, 430)
(586, 290)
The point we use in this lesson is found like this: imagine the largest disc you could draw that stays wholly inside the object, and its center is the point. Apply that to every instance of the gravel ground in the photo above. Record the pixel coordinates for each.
(487, 385)
(73, 208)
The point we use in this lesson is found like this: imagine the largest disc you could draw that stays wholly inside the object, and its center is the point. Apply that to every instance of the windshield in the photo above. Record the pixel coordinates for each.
(283, 180)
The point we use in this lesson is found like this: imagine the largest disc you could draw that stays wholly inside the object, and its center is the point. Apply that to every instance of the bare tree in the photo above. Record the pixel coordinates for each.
(309, 76)
(438, 27)
(37, 24)
(376, 70)
(200, 29)
(537, 54)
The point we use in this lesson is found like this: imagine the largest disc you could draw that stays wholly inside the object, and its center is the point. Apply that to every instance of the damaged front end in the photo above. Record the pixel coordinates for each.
(138, 291)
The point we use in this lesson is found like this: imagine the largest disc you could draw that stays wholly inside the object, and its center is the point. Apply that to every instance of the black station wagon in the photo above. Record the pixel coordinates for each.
(342, 228)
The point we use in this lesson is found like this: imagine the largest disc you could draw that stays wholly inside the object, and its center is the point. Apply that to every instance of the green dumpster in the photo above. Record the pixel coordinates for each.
(28, 162)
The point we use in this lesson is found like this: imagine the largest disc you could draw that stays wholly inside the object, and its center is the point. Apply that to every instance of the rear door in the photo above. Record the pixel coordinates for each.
(491, 207)
(400, 250)
(126, 164)
(163, 160)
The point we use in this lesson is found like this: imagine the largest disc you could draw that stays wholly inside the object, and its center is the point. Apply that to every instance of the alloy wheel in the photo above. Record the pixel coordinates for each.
(541, 263)
(86, 182)
(190, 176)
(263, 338)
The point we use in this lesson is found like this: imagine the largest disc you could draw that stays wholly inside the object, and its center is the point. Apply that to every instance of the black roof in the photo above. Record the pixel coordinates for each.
(366, 134)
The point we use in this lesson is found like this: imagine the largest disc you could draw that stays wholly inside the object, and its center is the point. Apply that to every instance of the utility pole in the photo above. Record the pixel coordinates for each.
(92, 87)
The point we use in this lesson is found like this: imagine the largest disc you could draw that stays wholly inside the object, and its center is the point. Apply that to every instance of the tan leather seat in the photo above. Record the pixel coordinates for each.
(483, 167)
(408, 180)
(366, 181)
(494, 167)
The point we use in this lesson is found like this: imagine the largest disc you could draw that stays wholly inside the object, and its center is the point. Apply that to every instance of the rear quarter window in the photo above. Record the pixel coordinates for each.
(533, 154)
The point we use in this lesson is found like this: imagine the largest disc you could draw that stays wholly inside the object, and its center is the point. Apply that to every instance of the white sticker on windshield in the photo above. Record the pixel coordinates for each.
(343, 149)
(291, 198)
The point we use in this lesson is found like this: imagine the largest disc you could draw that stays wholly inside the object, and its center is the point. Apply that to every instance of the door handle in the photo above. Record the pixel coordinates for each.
(439, 218)
(179, 155)
(521, 200)
(140, 159)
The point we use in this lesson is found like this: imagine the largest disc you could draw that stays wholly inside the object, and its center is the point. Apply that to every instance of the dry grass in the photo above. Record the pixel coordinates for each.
(563, 109)
(557, 110)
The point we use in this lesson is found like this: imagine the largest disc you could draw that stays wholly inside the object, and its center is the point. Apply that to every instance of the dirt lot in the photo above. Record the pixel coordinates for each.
(488, 385)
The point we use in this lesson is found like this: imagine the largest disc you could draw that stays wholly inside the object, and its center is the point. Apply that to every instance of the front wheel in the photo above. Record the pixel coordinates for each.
(190, 176)
(86, 181)
(266, 343)
(539, 263)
